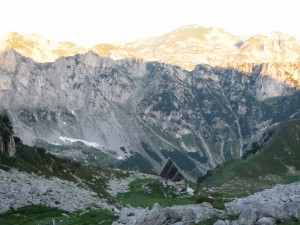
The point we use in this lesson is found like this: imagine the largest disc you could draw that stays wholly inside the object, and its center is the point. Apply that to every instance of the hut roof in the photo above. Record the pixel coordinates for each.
(171, 171)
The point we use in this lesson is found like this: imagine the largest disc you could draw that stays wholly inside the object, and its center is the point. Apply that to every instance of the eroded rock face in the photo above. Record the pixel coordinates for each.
(11, 147)
(20, 189)
(205, 116)
(7, 142)
(8, 147)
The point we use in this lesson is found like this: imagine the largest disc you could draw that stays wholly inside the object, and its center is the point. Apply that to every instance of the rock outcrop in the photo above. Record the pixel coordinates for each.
(280, 203)
(7, 142)
(20, 189)
(10, 146)
(179, 215)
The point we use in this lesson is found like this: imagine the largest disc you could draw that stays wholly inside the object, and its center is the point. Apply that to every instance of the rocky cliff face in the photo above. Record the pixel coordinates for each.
(128, 108)
(10, 147)
(7, 143)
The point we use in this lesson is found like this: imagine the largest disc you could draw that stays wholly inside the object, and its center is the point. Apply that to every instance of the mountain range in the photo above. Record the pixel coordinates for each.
(185, 47)
(198, 95)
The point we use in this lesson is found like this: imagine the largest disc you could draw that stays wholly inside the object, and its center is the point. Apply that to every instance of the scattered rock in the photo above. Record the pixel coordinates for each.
(20, 189)
(179, 215)
(282, 202)
(222, 222)
(235, 222)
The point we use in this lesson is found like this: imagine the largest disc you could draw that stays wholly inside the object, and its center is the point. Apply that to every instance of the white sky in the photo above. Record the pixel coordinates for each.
(88, 22)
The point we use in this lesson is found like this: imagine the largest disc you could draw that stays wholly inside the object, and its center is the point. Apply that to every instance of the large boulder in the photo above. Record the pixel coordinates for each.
(266, 221)
(247, 217)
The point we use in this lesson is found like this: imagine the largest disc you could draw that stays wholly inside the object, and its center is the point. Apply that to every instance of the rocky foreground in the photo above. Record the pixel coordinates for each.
(280, 203)
(179, 215)
(18, 189)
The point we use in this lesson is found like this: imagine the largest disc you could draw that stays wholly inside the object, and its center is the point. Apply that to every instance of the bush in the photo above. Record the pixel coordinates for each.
(5, 159)
(41, 151)
(76, 164)
(28, 157)
(204, 199)
(18, 140)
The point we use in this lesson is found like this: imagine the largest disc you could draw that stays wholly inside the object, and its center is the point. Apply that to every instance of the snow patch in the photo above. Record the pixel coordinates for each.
(119, 157)
(54, 143)
(72, 140)
(187, 148)
(292, 116)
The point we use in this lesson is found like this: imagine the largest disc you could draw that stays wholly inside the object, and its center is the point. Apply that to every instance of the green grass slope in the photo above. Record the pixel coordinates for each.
(277, 162)
(41, 215)
(145, 192)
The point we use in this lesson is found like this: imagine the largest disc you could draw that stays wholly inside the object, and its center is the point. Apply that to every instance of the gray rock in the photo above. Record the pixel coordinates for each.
(179, 223)
(222, 222)
(235, 222)
(266, 221)
(282, 202)
(180, 215)
(10, 147)
(248, 216)
(156, 206)
(20, 189)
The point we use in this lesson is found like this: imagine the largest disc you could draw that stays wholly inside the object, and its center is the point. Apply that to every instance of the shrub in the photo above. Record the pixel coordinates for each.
(41, 151)
(204, 199)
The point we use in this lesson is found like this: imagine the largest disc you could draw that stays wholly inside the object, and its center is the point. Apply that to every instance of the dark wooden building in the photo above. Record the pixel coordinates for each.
(171, 172)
